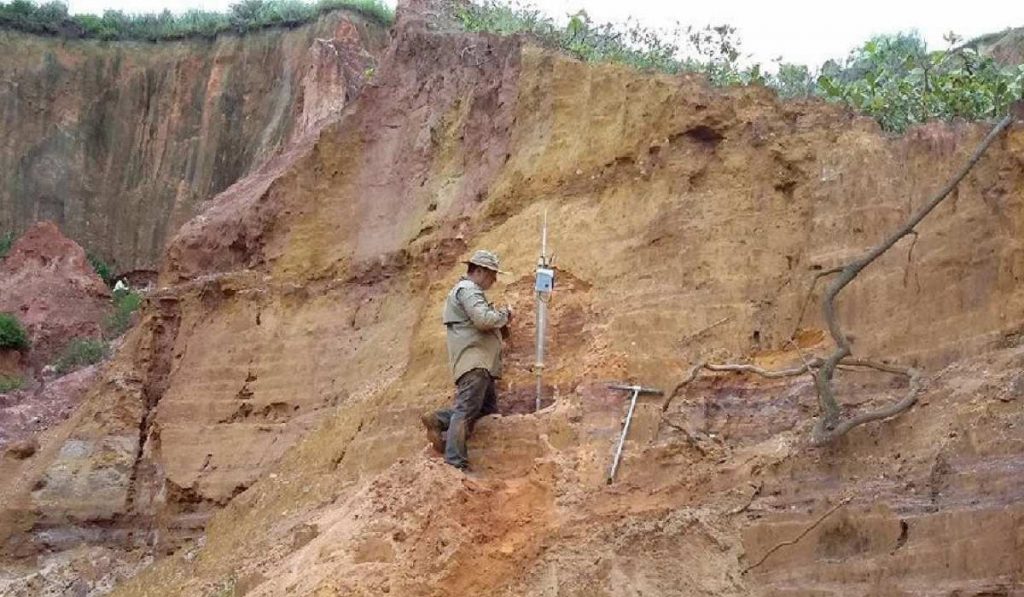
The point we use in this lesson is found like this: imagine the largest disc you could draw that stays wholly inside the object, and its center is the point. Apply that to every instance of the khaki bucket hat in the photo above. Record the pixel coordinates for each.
(487, 260)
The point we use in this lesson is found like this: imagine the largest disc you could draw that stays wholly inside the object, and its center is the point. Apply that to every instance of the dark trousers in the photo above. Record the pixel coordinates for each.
(474, 398)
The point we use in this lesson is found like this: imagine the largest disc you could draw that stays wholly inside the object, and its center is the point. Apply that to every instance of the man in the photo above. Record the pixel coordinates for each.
(475, 331)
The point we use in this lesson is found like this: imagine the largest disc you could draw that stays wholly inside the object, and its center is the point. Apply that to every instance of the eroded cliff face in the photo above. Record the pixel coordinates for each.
(120, 143)
(276, 380)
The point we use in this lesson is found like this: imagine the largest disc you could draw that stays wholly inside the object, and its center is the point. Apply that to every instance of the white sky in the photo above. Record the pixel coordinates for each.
(802, 31)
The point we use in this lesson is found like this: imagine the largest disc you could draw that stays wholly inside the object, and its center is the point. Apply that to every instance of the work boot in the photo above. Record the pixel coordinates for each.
(466, 470)
(435, 433)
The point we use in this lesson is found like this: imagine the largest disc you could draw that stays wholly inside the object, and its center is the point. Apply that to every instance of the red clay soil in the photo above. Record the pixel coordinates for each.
(46, 281)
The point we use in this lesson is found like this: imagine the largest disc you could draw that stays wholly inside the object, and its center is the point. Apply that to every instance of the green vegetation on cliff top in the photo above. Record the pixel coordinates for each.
(895, 79)
(52, 18)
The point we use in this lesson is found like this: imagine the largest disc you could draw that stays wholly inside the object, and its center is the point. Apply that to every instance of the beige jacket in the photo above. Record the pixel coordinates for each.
(474, 330)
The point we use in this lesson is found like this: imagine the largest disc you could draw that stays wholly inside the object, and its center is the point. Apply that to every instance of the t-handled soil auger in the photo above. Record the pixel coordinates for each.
(636, 390)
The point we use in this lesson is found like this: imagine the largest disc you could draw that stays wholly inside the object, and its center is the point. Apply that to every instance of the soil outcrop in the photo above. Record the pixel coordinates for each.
(261, 423)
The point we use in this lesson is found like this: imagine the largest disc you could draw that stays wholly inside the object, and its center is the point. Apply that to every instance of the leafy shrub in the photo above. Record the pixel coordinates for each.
(9, 383)
(126, 303)
(5, 244)
(793, 81)
(372, 9)
(101, 268)
(81, 352)
(12, 335)
(52, 18)
(249, 15)
(24, 15)
(899, 82)
(713, 51)
(630, 44)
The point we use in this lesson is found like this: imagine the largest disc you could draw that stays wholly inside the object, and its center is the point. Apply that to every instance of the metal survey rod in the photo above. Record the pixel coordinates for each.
(636, 390)
(542, 316)
(545, 284)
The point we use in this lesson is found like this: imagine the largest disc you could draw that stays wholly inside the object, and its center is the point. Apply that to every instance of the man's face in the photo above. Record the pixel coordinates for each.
(487, 278)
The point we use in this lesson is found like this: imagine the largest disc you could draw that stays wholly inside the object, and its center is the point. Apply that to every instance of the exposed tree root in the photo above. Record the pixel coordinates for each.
(830, 425)
(796, 539)
(812, 366)
(690, 438)
(753, 496)
(810, 296)
(704, 330)
(823, 434)
(679, 386)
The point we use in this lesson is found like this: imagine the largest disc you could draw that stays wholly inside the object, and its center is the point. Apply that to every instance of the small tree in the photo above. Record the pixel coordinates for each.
(6, 241)
(101, 268)
(12, 335)
(896, 80)
(81, 352)
(9, 383)
(126, 303)
(793, 81)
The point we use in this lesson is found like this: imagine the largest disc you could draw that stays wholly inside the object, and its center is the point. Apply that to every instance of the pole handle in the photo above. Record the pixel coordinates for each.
(622, 438)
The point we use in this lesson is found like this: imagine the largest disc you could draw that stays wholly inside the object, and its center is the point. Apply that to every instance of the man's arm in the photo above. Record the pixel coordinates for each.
(483, 315)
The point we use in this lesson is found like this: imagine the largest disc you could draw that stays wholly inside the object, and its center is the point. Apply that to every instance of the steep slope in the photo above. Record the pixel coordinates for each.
(119, 143)
(281, 368)
(927, 505)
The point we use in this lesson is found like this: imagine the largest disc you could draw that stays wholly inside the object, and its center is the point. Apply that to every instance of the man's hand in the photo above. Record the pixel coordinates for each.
(506, 333)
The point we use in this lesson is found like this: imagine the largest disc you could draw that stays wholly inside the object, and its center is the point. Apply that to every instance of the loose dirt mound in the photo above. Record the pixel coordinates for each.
(49, 285)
